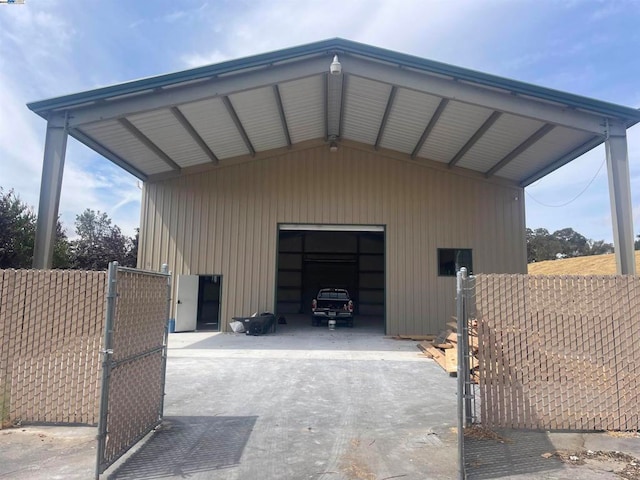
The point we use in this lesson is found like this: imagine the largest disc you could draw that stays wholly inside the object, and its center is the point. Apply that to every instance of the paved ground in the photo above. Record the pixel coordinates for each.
(302, 404)
(311, 404)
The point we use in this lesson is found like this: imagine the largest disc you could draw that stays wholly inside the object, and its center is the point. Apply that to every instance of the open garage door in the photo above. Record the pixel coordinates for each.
(311, 257)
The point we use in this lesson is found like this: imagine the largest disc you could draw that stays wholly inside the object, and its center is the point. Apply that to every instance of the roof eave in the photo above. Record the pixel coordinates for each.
(629, 115)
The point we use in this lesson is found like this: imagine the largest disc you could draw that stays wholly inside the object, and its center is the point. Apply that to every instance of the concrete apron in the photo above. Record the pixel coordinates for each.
(304, 403)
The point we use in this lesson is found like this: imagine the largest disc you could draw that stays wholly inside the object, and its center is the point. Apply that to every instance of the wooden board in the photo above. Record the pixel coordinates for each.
(415, 337)
(447, 359)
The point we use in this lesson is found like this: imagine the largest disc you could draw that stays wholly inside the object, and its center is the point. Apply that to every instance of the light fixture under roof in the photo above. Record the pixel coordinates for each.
(336, 67)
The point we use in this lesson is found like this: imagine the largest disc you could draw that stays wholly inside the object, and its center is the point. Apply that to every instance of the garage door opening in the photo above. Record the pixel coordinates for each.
(324, 256)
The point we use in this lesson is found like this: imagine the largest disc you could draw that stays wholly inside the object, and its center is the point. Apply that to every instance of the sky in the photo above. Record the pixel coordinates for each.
(53, 47)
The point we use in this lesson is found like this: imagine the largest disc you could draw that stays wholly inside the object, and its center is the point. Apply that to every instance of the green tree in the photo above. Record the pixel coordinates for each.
(17, 231)
(131, 257)
(542, 245)
(571, 243)
(98, 243)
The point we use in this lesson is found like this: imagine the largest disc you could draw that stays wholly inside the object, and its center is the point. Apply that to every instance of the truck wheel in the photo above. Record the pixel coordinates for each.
(350, 323)
(314, 322)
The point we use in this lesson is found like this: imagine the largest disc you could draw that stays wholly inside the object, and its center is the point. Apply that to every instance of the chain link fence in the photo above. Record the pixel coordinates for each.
(558, 352)
(51, 324)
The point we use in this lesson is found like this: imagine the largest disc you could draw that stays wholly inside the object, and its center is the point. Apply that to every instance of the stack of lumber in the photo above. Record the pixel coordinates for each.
(444, 349)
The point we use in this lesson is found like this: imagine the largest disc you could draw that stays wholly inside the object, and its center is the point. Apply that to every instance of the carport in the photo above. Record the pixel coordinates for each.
(345, 99)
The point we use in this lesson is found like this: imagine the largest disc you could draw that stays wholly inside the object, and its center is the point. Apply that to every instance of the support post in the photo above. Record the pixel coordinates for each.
(620, 197)
(55, 148)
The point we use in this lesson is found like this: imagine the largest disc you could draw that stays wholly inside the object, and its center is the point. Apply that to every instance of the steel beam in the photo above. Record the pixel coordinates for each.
(476, 136)
(620, 195)
(385, 117)
(335, 104)
(133, 130)
(236, 120)
(55, 148)
(563, 160)
(106, 153)
(283, 117)
(540, 133)
(432, 123)
(193, 134)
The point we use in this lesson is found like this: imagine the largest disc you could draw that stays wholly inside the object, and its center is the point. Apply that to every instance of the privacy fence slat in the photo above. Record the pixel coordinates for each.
(559, 352)
(51, 326)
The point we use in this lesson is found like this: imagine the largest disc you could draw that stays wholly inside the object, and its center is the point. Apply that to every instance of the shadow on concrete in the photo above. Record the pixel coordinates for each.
(520, 453)
(184, 446)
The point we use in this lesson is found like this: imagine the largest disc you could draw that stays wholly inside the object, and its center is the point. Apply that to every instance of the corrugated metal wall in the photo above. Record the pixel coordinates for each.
(225, 222)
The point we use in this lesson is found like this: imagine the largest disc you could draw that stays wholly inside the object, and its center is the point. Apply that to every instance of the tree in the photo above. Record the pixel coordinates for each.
(131, 258)
(542, 245)
(571, 243)
(17, 231)
(98, 242)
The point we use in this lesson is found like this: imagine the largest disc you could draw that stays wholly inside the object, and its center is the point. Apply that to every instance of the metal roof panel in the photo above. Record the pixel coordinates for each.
(302, 101)
(213, 123)
(161, 128)
(502, 138)
(258, 112)
(122, 143)
(543, 152)
(365, 103)
(456, 126)
(410, 114)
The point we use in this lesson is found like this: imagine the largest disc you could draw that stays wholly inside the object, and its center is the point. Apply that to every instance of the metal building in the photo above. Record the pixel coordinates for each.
(333, 163)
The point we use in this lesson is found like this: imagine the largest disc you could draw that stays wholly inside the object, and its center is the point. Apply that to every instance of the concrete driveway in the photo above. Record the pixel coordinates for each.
(305, 403)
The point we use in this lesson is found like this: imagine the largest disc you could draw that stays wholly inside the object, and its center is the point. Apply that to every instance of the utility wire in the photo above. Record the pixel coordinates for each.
(574, 198)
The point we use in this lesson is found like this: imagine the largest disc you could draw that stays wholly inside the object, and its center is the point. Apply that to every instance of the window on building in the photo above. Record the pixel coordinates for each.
(450, 260)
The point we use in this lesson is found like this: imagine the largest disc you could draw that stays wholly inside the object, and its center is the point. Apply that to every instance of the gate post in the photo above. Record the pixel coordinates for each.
(460, 313)
(165, 270)
(107, 352)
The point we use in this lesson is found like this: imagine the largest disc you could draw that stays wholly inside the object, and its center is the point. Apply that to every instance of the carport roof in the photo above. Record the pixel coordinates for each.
(387, 100)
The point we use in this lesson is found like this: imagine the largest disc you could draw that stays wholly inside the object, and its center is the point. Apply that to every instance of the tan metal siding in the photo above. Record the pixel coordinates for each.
(224, 221)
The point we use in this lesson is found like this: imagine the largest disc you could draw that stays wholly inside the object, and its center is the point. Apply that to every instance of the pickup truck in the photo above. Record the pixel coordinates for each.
(332, 304)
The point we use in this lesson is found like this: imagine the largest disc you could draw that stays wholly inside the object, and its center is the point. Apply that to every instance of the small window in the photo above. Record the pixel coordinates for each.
(450, 260)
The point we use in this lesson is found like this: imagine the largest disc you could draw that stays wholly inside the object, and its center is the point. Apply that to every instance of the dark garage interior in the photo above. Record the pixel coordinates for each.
(309, 260)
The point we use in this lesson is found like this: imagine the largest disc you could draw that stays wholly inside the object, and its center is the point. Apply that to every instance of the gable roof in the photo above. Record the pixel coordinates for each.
(418, 107)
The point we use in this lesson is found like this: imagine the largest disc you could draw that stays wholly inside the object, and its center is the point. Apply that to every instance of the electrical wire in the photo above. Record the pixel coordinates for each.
(574, 198)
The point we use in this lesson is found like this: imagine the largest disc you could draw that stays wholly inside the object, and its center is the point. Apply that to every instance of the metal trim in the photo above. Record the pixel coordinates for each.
(234, 116)
(133, 130)
(430, 126)
(194, 135)
(293, 227)
(539, 134)
(476, 136)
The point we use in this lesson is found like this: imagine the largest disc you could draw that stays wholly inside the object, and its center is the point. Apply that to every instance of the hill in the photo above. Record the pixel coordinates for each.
(590, 265)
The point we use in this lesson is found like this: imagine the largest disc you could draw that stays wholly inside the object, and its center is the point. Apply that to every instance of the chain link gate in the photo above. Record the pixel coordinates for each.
(134, 360)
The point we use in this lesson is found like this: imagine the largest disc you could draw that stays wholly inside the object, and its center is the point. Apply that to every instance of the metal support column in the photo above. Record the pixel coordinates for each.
(55, 148)
(620, 195)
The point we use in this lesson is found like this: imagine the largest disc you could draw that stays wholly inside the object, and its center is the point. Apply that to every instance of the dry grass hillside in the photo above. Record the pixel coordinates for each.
(592, 265)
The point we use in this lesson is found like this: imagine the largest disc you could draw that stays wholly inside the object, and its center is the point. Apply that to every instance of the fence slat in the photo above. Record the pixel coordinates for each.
(558, 352)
